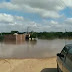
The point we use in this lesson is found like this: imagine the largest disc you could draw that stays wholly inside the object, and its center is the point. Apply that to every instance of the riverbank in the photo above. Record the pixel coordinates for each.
(28, 65)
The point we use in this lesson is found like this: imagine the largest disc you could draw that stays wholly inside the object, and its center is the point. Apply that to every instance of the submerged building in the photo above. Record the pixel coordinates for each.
(16, 37)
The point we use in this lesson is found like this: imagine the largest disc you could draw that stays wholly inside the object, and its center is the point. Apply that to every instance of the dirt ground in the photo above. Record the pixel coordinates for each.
(28, 65)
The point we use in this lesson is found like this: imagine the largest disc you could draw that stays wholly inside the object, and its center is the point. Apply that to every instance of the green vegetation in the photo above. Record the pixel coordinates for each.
(1, 37)
(12, 32)
(33, 35)
(44, 35)
(52, 35)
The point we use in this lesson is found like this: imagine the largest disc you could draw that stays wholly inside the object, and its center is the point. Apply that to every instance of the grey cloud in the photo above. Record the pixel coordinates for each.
(45, 8)
(68, 21)
(42, 4)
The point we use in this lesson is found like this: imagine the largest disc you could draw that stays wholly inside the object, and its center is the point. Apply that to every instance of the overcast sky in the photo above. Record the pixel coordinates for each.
(37, 15)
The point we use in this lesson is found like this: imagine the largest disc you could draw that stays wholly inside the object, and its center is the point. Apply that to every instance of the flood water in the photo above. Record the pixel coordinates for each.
(32, 49)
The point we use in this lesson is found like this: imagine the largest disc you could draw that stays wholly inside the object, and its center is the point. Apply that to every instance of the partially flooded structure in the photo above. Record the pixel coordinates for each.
(16, 37)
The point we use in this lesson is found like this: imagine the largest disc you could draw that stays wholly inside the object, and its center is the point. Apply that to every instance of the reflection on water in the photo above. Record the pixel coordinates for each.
(32, 49)
(7, 41)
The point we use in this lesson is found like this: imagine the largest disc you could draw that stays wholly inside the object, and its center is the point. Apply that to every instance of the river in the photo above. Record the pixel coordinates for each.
(32, 49)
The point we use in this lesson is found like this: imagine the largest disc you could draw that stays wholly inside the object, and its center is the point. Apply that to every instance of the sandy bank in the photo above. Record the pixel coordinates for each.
(28, 65)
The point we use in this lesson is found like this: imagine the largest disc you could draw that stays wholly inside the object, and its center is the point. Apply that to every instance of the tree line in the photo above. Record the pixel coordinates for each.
(44, 35)
(52, 35)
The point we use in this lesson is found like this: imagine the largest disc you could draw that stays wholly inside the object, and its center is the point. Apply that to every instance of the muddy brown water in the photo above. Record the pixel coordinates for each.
(32, 49)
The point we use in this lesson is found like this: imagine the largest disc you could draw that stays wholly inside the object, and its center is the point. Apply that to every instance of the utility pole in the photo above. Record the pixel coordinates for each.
(27, 29)
(65, 36)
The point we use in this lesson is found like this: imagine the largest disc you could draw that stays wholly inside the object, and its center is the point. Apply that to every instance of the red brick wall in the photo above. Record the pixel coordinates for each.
(23, 37)
(19, 39)
(10, 37)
